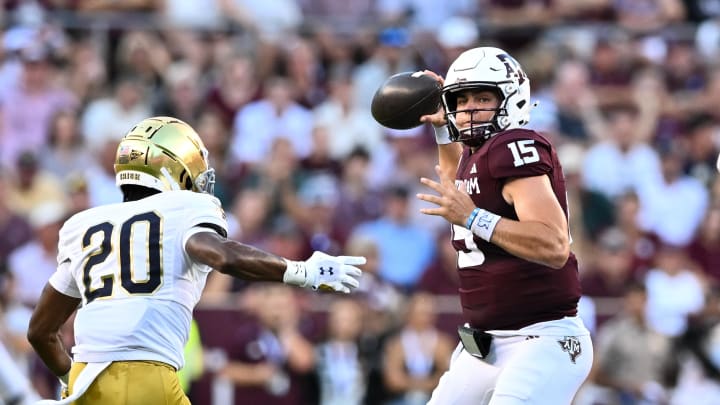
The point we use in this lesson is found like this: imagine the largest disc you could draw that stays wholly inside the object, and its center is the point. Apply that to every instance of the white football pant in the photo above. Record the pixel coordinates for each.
(537, 370)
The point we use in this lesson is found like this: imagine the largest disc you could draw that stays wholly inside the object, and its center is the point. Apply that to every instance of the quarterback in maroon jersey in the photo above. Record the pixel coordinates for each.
(503, 190)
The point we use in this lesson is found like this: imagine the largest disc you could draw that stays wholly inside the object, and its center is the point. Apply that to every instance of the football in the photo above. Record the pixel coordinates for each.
(404, 98)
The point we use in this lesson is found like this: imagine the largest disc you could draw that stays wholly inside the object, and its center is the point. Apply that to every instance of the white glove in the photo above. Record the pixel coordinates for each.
(324, 272)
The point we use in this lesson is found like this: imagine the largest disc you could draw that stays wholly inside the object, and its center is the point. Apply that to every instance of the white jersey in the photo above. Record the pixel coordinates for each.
(127, 262)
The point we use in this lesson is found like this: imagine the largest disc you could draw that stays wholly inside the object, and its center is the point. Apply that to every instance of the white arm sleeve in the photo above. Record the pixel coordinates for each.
(205, 209)
(63, 281)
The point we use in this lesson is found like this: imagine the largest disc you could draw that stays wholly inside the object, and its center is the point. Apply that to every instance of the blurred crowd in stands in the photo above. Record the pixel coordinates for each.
(628, 91)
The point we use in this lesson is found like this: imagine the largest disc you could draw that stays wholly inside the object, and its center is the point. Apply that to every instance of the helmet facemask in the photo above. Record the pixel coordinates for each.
(205, 181)
(479, 131)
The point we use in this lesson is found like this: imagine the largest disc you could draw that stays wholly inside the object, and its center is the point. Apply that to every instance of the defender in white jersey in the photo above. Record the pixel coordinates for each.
(138, 268)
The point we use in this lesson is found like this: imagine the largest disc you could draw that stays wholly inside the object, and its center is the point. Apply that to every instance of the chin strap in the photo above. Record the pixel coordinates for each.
(173, 184)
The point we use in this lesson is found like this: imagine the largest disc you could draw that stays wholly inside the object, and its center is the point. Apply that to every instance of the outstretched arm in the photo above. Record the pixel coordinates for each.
(234, 258)
(320, 271)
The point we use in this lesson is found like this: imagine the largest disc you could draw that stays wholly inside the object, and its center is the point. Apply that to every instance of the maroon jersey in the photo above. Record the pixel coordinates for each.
(499, 290)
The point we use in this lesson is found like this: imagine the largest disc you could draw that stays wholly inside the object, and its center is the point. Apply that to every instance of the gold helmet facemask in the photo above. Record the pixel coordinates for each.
(165, 154)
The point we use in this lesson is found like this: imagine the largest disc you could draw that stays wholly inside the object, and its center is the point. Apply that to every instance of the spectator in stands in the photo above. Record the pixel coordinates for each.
(695, 369)
(674, 290)
(216, 136)
(647, 16)
(272, 20)
(705, 247)
(659, 201)
(183, 95)
(632, 358)
(15, 229)
(622, 160)
(191, 15)
(570, 90)
(33, 263)
(110, 5)
(235, 86)
(14, 319)
(592, 211)
(144, 56)
(610, 271)
(519, 21)
(28, 107)
(705, 101)
(313, 210)
(277, 175)
(682, 69)
(65, 151)
(77, 192)
(391, 55)
(30, 186)
(611, 64)
(340, 369)
(337, 18)
(277, 115)
(642, 244)
(454, 35)
(87, 72)
(702, 151)
(100, 177)
(109, 118)
(248, 223)
(349, 123)
(417, 356)
(320, 161)
(358, 202)
(422, 15)
(406, 249)
(267, 367)
(304, 68)
(15, 387)
(383, 300)
(441, 276)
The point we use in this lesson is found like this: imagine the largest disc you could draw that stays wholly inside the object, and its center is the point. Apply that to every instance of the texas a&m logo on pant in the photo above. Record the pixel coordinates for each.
(571, 345)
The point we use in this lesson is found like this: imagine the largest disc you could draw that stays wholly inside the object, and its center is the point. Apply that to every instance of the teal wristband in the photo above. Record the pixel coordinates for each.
(471, 218)
(484, 223)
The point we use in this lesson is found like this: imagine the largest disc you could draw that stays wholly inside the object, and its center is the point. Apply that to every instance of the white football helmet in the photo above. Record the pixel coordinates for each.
(487, 68)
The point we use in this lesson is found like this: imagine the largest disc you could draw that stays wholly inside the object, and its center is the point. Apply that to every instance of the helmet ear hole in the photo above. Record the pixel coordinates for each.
(188, 183)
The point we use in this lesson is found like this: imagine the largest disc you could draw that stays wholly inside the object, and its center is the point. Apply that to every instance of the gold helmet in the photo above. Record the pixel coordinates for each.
(165, 154)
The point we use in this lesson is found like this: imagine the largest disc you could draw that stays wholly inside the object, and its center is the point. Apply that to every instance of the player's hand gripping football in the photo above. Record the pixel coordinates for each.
(453, 203)
(326, 273)
(438, 118)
